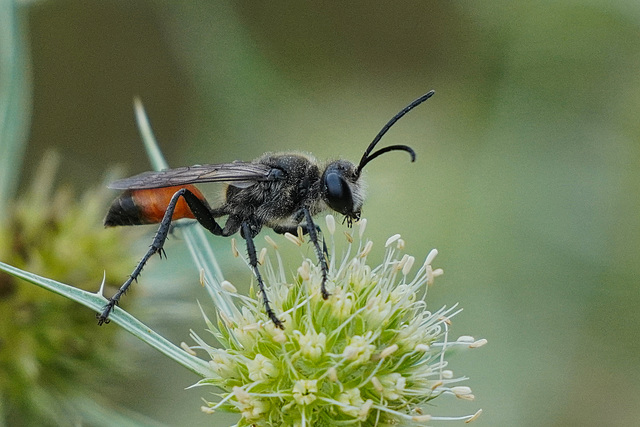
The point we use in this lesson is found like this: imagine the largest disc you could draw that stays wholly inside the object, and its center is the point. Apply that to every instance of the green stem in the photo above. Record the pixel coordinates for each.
(15, 96)
(195, 237)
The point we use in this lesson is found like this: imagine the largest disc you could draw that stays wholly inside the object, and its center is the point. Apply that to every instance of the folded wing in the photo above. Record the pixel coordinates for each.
(240, 174)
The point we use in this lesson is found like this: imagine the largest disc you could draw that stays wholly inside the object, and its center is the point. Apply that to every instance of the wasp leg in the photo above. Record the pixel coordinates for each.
(313, 230)
(313, 236)
(248, 236)
(204, 216)
(294, 229)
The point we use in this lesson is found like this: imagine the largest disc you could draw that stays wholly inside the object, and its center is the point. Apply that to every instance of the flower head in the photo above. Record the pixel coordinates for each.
(47, 346)
(370, 354)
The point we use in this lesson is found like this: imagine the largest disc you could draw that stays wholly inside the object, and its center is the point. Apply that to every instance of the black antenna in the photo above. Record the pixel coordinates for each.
(366, 158)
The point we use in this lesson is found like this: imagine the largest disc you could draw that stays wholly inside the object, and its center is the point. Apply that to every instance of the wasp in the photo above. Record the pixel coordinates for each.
(282, 191)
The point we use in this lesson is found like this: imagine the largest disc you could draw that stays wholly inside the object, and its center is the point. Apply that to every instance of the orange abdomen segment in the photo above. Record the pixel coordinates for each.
(148, 206)
(153, 203)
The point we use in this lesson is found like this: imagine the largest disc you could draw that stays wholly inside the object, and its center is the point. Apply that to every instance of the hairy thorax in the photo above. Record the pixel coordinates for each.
(276, 202)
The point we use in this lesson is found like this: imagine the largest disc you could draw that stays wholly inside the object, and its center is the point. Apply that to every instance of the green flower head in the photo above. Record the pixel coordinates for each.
(371, 354)
(49, 354)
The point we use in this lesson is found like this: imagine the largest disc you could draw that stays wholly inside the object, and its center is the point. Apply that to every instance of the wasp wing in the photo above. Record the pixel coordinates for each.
(241, 174)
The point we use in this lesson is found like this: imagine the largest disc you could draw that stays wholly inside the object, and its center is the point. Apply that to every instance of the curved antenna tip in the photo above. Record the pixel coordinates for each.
(367, 156)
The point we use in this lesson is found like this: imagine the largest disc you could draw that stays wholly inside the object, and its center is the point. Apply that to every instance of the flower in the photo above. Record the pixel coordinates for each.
(370, 354)
(49, 354)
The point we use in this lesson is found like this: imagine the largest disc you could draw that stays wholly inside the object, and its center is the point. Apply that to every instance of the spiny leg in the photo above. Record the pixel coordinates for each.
(253, 261)
(294, 229)
(202, 213)
(320, 253)
(312, 229)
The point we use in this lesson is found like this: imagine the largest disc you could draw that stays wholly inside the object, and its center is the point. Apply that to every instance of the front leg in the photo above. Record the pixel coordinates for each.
(305, 230)
(313, 230)
(313, 236)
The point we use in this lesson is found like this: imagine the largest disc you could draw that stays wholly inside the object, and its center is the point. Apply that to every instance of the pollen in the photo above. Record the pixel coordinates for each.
(391, 240)
(366, 249)
(362, 226)
(408, 265)
(422, 347)
(466, 339)
(331, 224)
(262, 255)
(478, 343)
(432, 255)
(304, 271)
(207, 410)
(389, 351)
(462, 392)
(228, 286)
(234, 248)
(447, 374)
(400, 265)
(474, 416)
(271, 242)
(188, 349)
(293, 239)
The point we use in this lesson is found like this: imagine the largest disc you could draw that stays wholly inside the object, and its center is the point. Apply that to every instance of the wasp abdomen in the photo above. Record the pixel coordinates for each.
(147, 206)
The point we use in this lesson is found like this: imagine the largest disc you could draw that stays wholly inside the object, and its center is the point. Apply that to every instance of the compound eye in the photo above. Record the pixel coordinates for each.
(338, 193)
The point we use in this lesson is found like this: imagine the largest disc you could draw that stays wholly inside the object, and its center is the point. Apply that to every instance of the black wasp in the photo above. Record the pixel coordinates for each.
(279, 191)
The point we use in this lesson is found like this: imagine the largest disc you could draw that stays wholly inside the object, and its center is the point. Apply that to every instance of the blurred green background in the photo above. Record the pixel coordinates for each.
(527, 178)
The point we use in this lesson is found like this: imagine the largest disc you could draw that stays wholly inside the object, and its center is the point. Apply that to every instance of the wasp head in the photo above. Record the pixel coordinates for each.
(342, 189)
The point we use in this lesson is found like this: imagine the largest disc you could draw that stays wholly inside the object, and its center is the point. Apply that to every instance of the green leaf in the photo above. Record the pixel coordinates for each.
(96, 302)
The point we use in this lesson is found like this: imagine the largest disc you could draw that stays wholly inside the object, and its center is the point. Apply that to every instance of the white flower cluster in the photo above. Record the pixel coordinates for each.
(371, 354)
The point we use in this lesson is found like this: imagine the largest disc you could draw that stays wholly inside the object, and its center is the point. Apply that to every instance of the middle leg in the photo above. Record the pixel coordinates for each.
(248, 235)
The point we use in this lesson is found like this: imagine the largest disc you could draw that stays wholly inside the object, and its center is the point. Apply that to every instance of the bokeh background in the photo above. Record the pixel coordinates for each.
(527, 178)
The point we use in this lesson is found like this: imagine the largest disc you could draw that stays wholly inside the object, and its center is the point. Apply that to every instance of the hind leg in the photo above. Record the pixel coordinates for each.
(204, 215)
